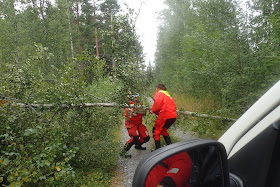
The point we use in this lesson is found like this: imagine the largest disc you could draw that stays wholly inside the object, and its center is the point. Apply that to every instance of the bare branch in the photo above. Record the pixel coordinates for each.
(137, 14)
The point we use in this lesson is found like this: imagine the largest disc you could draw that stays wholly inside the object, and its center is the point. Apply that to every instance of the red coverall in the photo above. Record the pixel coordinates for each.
(174, 171)
(134, 125)
(164, 106)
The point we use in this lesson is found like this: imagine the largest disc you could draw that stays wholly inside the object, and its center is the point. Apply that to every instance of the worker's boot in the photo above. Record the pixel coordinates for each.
(138, 146)
(125, 155)
(157, 144)
(124, 151)
(167, 140)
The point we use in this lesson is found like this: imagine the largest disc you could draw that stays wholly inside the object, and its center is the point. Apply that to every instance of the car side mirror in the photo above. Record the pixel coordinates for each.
(194, 163)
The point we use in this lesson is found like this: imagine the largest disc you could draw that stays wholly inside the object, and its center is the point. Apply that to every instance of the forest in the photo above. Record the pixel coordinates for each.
(215, 56)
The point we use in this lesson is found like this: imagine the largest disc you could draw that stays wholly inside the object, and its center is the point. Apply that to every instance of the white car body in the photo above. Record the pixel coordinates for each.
(257, 118)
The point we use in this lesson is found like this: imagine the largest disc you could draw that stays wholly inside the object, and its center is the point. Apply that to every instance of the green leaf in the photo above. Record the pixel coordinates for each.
(5, 162)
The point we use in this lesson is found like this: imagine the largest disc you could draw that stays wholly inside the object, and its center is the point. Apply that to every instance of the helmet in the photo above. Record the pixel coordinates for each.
(133, 96)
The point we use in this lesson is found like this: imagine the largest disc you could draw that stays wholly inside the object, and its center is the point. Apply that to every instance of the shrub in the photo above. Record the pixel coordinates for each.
(50, 146)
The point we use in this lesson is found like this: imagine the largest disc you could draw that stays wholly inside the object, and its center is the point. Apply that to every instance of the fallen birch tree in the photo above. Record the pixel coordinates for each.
(187, 113)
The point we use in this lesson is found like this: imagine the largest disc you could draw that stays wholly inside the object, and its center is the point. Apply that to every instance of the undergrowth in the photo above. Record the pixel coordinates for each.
(202, 127)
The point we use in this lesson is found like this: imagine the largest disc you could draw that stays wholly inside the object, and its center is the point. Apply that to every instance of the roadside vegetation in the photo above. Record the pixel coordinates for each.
(60, 145)
(201, 127)
(217, 57)
(225, 52)
(48, 56)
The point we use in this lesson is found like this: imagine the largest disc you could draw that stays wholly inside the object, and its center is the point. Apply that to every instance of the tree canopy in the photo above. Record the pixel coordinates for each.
(64, 54)
(221, 49)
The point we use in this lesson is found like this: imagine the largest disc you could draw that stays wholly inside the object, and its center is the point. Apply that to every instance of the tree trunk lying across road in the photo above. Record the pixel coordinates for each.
(205, 115)
(194, 114)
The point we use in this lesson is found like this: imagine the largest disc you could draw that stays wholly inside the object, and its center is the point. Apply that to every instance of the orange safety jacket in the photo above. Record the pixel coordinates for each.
(164, 105)
(132, 117)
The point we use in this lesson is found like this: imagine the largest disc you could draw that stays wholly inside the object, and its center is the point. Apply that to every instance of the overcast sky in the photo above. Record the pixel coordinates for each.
(147, 23)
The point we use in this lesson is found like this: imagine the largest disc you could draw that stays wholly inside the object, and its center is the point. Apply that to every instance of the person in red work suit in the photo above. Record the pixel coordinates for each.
(174, 171)
(136, 129)
(164, 107)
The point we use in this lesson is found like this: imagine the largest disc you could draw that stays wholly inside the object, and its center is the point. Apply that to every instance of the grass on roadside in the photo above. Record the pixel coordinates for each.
(202, 127)
(194, 105)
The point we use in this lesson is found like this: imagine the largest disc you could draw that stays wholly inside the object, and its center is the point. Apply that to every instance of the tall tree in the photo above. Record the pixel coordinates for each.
(9, 12)
(95, 30)
(265, 41)
(202, 49)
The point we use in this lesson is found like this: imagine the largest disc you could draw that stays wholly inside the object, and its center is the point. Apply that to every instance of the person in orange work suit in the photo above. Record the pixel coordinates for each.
(165, 109)
(136, 129)
(171, 172)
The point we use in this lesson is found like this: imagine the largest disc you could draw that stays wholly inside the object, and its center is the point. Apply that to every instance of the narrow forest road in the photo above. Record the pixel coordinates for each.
(127, 166)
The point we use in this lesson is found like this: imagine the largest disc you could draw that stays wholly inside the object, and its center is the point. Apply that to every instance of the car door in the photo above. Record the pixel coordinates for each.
(252, 143)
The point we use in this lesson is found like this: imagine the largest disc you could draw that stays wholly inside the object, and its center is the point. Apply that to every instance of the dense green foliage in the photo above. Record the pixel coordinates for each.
(67, 29)
(219, 50)
(48, 55)
(57, 145)
(47, 146)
